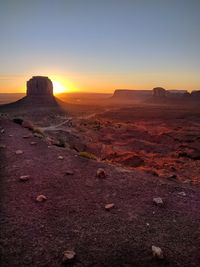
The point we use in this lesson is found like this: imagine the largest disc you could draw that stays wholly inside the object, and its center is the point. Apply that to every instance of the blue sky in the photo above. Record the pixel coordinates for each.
(100, 45)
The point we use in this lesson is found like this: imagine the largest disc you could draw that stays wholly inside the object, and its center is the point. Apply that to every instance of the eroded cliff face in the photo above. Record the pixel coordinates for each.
(39, 86)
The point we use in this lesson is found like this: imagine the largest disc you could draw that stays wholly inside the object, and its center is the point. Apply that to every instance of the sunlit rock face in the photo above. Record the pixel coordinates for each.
(39, 86)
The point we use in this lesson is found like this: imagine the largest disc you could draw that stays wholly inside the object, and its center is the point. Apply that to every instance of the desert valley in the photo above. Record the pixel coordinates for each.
(100, 133)
(90, 180)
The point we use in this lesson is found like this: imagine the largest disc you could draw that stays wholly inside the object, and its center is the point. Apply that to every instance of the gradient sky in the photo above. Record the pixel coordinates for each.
(100, 45)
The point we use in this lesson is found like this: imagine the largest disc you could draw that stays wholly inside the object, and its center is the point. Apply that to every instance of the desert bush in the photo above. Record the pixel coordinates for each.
(87, 155)
(38, 131)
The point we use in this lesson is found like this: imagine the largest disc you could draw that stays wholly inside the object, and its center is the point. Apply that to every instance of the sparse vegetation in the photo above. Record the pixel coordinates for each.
(87, 155)
(37, 130)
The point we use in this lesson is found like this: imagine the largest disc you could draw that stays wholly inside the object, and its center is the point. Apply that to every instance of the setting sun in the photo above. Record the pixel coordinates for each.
(58, 88)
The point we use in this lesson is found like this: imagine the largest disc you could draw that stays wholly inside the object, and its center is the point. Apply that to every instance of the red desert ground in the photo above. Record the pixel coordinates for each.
(102, 180)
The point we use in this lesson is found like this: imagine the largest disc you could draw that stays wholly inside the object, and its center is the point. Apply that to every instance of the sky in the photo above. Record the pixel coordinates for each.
(100, 45)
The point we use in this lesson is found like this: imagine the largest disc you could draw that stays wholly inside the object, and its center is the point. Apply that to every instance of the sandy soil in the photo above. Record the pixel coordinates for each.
(74, 217)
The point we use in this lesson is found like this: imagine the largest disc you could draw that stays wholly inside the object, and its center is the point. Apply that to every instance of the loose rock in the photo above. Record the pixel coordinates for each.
(158, 201)
(27, 124)
(26, 136)
(60, 157)
(157, 252)
(183, 194)
(33, 143)
(24, 178)
(68, 256)
(41, 198)
(19, 152)
(101, 173)
(109, 206)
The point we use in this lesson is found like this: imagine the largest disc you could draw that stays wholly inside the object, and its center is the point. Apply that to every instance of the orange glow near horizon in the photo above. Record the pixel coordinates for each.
(79, 82)
(58, 88)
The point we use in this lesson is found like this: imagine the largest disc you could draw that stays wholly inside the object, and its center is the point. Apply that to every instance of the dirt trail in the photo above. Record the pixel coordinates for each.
(73, 216)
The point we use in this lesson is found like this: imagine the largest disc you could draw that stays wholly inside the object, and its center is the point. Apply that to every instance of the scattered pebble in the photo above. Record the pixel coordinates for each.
(33, 143)
(10, 135)
(24, 178)
(157, 252)
(101, 173)
(26, 136)
(41, 198)
(2, 131)
(60, 157)
(19, 152)
(2, 146)
(158, 201)
(182, 193)
(68, 256)
(27, 124)
(69, 173)
(172, 177)
(109, 206)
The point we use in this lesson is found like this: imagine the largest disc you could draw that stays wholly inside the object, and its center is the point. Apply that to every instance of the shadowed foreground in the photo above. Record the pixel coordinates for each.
(74, 217)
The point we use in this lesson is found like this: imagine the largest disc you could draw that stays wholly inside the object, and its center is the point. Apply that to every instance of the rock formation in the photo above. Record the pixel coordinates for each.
(39, 96)
(195, 94)
(39, 86)
(159, 92)
(131, 95)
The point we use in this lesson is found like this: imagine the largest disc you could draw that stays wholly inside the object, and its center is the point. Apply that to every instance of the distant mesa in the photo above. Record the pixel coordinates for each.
(156, 95)
(39, 86)
(131, 95)
(159, 92)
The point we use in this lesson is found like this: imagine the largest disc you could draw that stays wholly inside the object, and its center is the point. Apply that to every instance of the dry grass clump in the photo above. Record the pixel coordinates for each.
(37, 130)
(87, 155)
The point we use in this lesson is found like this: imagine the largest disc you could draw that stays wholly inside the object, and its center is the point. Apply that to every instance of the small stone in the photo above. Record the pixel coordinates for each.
(60, 157)
(109, 206)
(101, 173)
(33, 143)
(27, 124)
(2, 131)
(26, 136)
(158, 201)
(157, 252)
(41, 198)
(24, 178)
(2, 146)
(19, 152)
(182, 193)
(172, 177)
(147, 224)
(68, 256)
(10, 135)
(69, 173)
(187, 181)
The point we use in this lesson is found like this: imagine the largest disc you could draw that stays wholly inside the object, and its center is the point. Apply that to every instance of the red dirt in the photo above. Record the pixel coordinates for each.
(73, 216)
